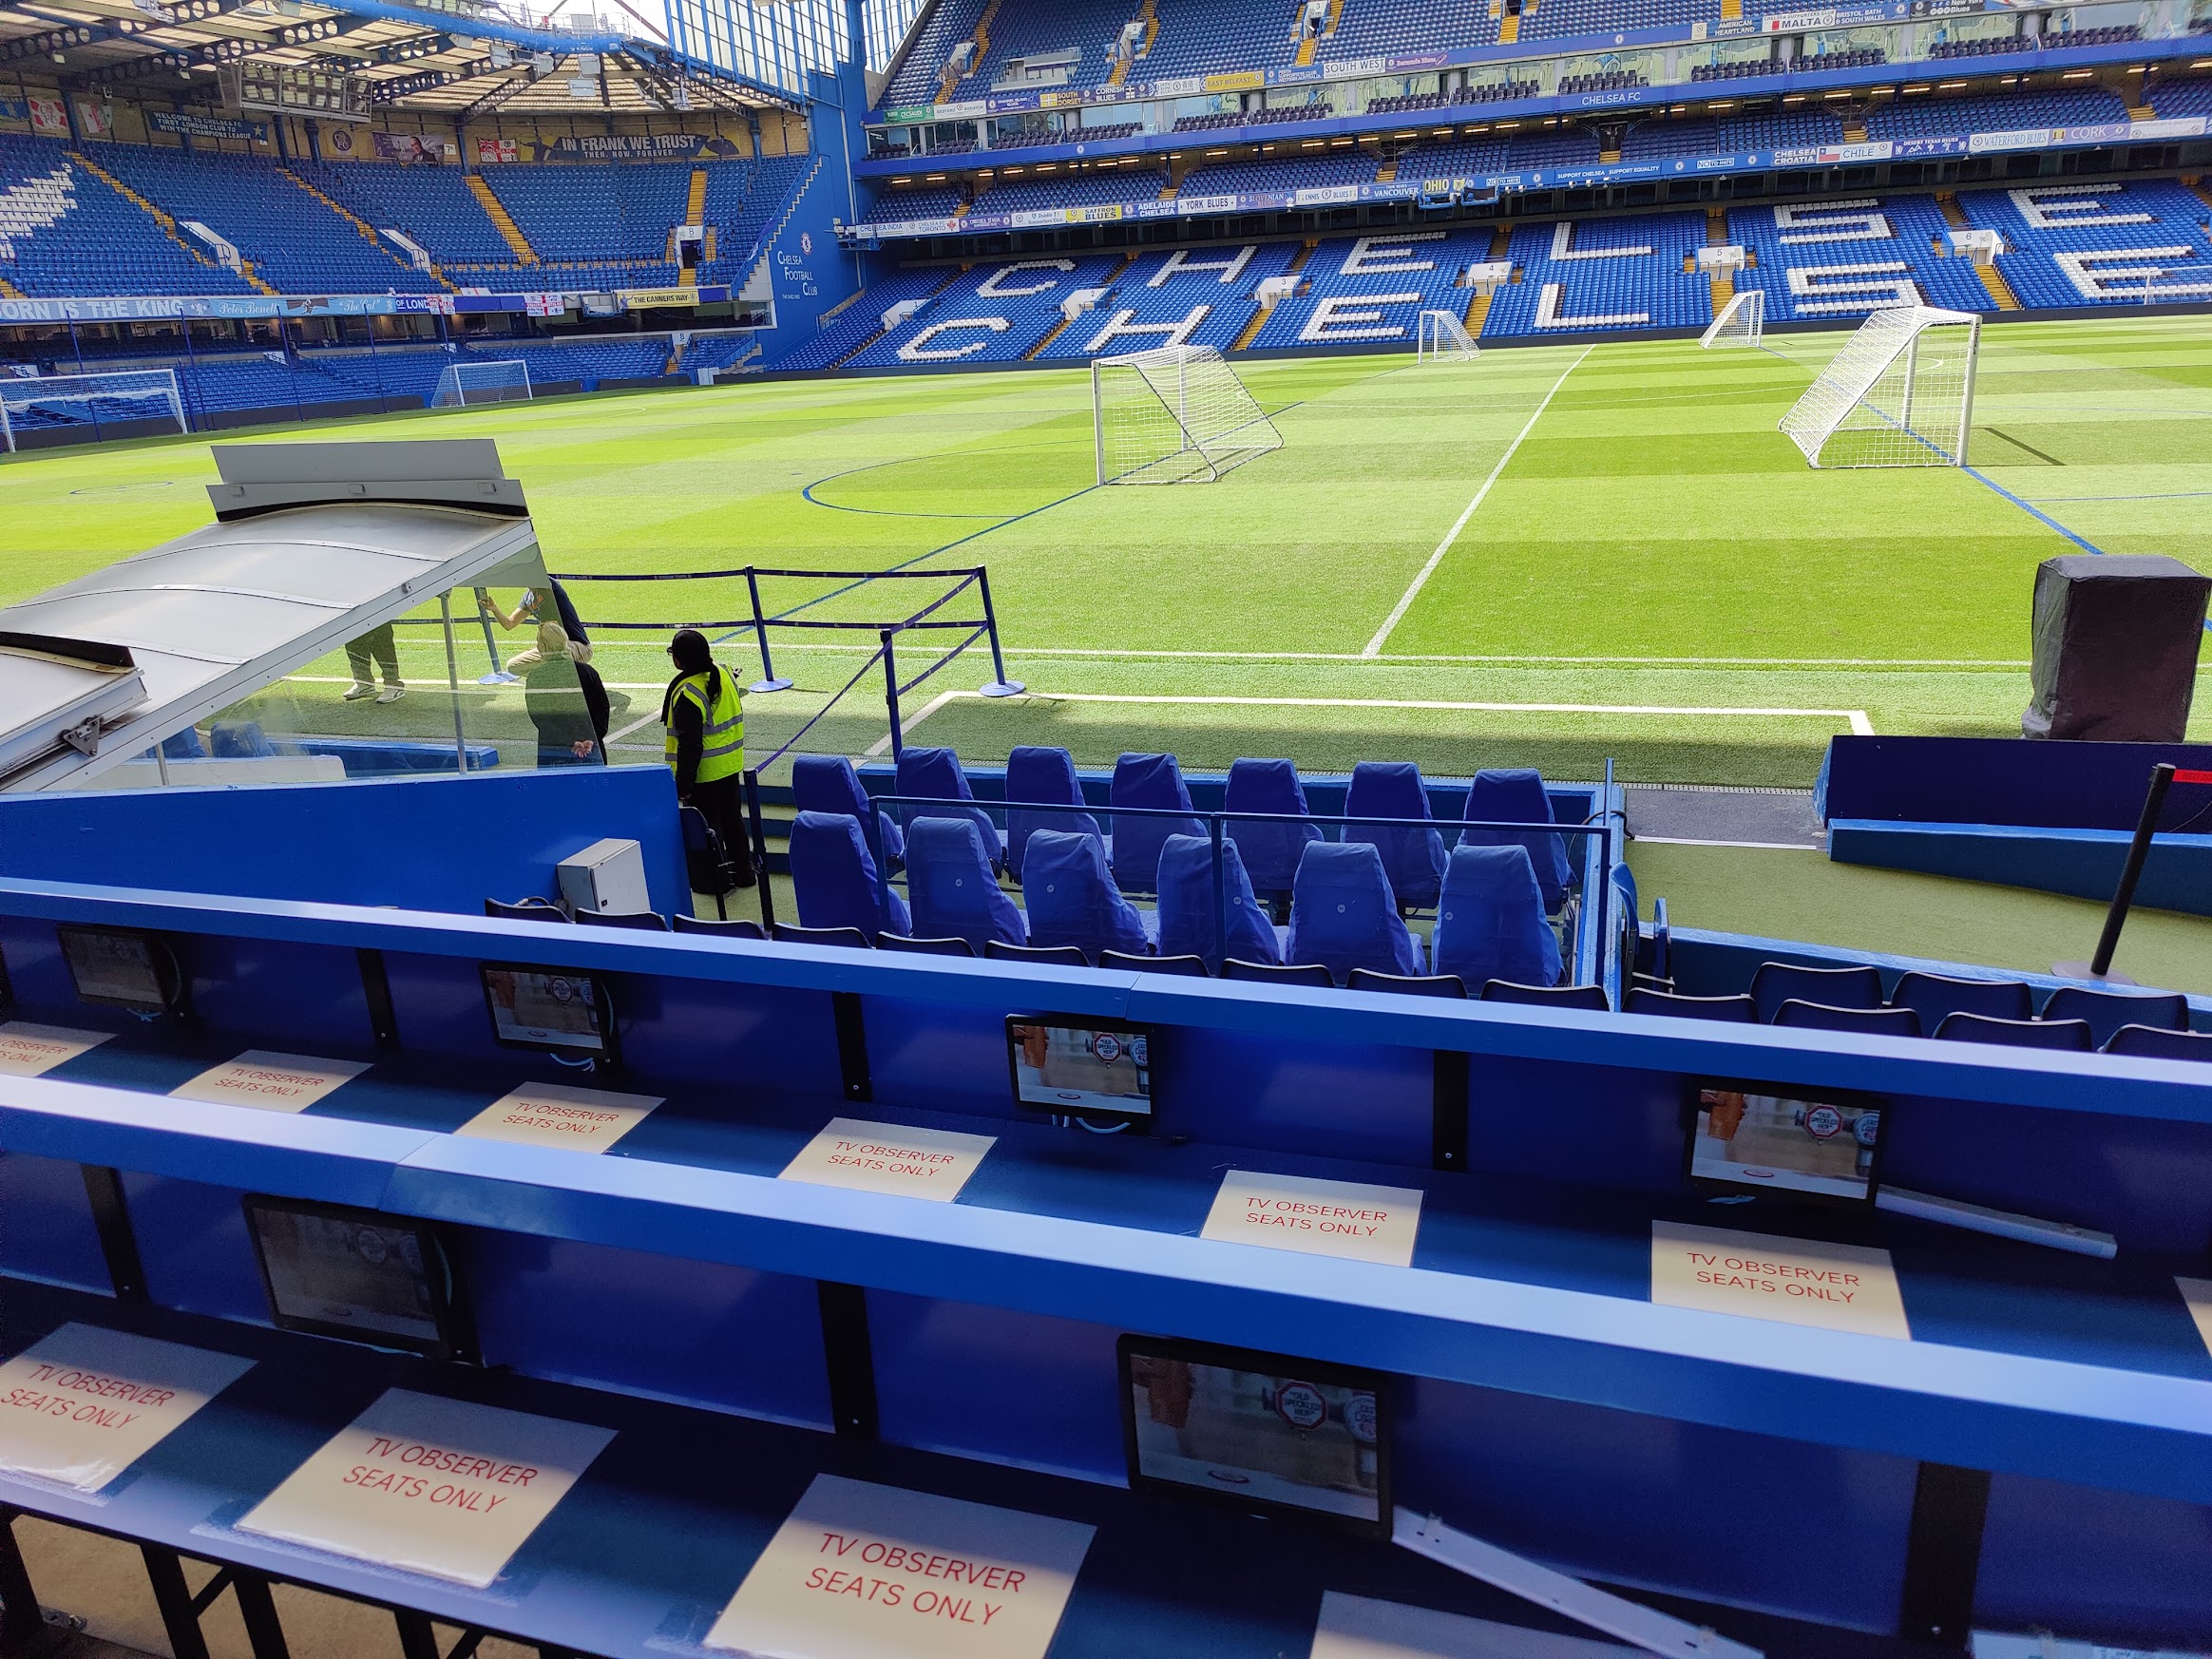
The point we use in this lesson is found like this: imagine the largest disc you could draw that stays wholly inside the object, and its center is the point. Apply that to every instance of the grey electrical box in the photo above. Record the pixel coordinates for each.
(607, 877)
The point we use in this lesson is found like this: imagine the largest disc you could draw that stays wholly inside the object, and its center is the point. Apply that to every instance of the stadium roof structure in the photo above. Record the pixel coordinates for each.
(313, 544)
(463, 58)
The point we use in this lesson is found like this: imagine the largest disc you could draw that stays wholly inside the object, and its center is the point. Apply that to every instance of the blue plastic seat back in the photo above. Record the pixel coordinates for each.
(1270, 852)
(1934, 996)
(1186, 904)
(1343, 915)
(2149, 1042)
(1413, 859)
(1876, 1021)
(952, 889)
(826, 783)
(2107, 1011)
(1490, 921)
(834, 879)
(1072, 899)
(1147, 780)
(1047, 776)
(240, 740)
(936, 773)
(2071, 1035)
(1737, 1010)
(1515, 794)
(184, 745)
(1777, 982)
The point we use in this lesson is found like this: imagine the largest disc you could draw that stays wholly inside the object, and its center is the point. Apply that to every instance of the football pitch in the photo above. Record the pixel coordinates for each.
(1551, 556)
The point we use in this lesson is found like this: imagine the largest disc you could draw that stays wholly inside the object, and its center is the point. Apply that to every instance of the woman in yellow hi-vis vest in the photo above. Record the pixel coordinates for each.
(705, 717)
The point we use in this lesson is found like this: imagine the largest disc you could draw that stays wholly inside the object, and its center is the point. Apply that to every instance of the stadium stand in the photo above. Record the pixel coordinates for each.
(1018, 32)
(434, 206)
(1199, 37)
(996, 312)
(1987, 46)
(1468, 157)
(923, 66)
(1607, 81)
(859, 323)
(1567, 146)
(1843, 258)
(1079, 190)
(1404, 28)
(1286, 173)
(1370, 290)
(597, 215)
(2184, 96)
(1608, 274)
(2098, 245)
(928, 202)
(1562, 19)
(65, 231)
(1280, 115)
(1194, 297)
(1934, 117)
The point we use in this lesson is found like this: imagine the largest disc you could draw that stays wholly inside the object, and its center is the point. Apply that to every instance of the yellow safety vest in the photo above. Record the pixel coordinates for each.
(722, 750)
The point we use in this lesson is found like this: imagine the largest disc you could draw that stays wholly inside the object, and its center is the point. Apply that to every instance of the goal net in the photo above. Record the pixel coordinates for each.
(1741, 322)
(1177, 414)
(1443, 339)
(1900, 393)
(127, 404)
(464, 385)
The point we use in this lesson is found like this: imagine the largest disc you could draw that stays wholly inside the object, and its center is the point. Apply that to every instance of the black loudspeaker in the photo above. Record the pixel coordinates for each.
(2115, 647)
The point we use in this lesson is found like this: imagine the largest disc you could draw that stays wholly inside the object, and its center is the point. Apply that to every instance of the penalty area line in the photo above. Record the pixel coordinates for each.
(1374, 646)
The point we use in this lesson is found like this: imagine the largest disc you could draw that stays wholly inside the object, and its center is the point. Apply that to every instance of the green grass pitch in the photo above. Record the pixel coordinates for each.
(1654, 575)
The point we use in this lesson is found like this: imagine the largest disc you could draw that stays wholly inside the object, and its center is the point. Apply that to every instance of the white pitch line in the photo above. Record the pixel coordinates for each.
(882, 745)
(1405, 599)
(1861, 725)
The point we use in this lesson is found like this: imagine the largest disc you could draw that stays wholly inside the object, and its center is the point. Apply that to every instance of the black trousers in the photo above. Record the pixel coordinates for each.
(377, 642)
(722, 804)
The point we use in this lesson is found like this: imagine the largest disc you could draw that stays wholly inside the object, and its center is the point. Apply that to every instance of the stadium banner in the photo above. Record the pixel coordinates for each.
(207, 127)
(498, 149)
(627, 146)
(402, 146)
(49, 117)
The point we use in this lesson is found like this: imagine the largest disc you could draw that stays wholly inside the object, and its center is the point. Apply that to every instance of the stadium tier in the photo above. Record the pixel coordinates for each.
(70, 231)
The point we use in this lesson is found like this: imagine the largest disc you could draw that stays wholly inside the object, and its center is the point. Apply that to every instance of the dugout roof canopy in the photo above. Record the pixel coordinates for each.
(315, 545)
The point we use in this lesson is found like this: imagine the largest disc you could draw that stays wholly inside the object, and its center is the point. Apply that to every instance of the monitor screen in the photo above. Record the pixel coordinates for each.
(1747, 1137)
(356, 1274)
(1257, 1430)
(549, 1008)
(122, 969)
(1067, 1064)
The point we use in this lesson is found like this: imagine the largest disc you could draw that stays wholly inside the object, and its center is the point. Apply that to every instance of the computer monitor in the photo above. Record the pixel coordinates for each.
(359, 1274)
(561, 1011)
(1069, 1064)
(1823, 1146)
(122, 968)
(1258, 1431)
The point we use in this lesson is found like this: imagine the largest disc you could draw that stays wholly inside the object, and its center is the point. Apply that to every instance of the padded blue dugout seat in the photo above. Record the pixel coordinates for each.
(826, 783)
(1590, 999)
(1413, 859)
(1304, 973)
(1936, 997)
(951, 890)
(1184, 966)
(1868, 1021)
(1046, 777)
(1489, 919)
(2151, 1043)
(2061, 1034)
(1270, 852)
(1186, 912)
(834, 879)
(1777, 982)
(1409, 985)
(2106, 1012)
(936, 773)
(1515, 794)
(1056, 955)
(1343, 915)
(1151, 781)
(1072, 897)
(240, 740)
(913, 947)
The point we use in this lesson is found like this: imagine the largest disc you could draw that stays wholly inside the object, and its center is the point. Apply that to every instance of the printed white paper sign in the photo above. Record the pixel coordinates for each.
(883, 1157)
(274, 1082)
(30, 1051)
(431, 1485)
(561, 1115)
(1834, 1286)
(2198, 1294)
(867, 1571)
(82, 1406)
(1355, 1627)
(1323, 1218)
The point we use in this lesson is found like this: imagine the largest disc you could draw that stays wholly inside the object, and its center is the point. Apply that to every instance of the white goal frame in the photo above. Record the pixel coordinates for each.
(121, 395)
(1175, 414)
(1741, 322)
(452, 391)
(1900, 393)
(1441, 337)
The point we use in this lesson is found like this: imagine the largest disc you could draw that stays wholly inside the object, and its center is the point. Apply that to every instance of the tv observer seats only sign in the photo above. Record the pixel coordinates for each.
(80, 1408)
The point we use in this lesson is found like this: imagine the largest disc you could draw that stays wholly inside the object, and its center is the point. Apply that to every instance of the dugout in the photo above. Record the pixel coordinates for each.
(219, 657)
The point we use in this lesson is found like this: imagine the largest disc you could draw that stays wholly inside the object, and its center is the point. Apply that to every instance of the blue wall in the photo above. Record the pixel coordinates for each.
(422, 843)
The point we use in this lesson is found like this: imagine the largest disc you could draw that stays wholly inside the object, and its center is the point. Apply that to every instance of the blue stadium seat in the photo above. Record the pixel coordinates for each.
(1737, 1010)
(1516, 795)
(840, 938)
(1071, 896)
(1182, 966)
(1046, 776)
(636, 921)
(238, 741)
(1413, 859)
(1343, 915)
(1934, 997)
(2107, 1011)
(1270, 852)
(910, 945)
(2059, 1034)
(1305, 973)
(531, 909)
(1868, 1021)
(2155, 1043)
(1409, 985)
(1186, 912)
(937, 774)
(826, 783)
(713, 927)
(1589, 998)
(834, 879)
(1777, 982)
(1056, 955)
(1490, 921)
(1150, 781)
(952, 889)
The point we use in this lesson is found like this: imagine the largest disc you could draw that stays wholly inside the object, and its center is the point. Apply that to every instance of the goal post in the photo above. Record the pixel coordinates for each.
(1900, 393)
(1175, 414)
(466, 385)
(132, 402)
(1741, 322)
(1441, 337)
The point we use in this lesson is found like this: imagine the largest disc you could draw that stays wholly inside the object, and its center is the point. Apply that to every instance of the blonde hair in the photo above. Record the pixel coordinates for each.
(552, 641)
